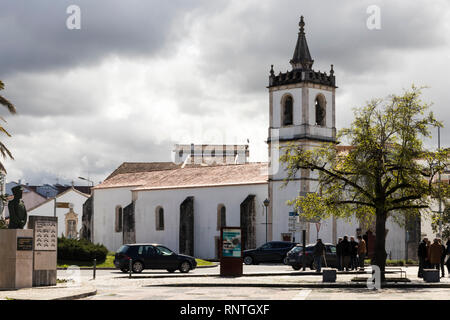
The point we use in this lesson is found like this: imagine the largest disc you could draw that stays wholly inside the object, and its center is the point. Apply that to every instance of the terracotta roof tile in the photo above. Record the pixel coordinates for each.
(188, 177)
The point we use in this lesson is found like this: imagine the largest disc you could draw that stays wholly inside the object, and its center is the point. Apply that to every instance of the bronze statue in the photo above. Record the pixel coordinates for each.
(17, 211)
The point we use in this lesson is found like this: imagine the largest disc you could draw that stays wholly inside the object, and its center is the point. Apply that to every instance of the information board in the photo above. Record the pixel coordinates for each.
(231, 243)
(45, 235)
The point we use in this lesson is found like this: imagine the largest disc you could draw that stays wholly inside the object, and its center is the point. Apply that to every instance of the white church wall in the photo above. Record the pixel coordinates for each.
(47, 209)
(105, 202)
(206, 201)
(395, 240)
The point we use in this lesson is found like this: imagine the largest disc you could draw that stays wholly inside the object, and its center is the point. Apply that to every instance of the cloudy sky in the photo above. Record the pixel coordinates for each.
(140, 76)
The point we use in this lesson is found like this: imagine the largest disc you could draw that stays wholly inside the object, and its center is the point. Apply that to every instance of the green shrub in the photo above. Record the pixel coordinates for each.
(3, 224)
(80, 250)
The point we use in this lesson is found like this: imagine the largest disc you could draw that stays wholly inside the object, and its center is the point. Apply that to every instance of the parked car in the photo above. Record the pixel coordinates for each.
(295, 257)
(152, 256)
(273, 251)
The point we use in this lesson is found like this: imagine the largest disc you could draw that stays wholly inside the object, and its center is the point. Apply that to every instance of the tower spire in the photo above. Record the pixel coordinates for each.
(302, 57)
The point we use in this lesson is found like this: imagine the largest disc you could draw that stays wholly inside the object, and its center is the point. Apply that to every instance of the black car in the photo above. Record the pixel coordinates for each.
(152, 256)
(295, 257)
(273, 251)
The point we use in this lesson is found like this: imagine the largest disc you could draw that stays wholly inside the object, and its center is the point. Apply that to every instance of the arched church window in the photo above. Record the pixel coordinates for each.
(159, 214)
(119, 219)
(287, 111)
(221, 216)
(320, 107)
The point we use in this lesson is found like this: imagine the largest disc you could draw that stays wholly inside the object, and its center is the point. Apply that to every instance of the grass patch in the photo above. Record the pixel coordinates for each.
(201, 263)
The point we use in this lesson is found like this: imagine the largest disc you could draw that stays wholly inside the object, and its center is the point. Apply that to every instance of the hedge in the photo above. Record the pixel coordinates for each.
(80, 250)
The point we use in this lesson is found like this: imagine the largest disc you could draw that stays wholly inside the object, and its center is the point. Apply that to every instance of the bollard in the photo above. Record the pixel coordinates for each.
(129, 268)
(95, 268)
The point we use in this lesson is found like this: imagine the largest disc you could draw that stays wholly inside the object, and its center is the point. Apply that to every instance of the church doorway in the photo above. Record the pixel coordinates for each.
(186, 231)
(248, 216)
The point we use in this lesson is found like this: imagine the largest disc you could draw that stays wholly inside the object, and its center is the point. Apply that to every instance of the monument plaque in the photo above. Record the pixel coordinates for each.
(45, 249)
(24, 243)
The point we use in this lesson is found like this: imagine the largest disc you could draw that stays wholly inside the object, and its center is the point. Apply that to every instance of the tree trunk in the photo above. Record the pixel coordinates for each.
(380, 242)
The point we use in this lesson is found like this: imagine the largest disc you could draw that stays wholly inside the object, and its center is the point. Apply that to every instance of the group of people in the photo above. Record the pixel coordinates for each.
(350, 254)
(433, 256)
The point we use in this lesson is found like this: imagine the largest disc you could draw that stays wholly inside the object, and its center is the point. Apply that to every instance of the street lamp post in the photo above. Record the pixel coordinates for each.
(82, 178)
(266, 204)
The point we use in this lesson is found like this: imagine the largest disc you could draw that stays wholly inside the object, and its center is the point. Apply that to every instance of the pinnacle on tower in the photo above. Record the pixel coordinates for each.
(302, 57)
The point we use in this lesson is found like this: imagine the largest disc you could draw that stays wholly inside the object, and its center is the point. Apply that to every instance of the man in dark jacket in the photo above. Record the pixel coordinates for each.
(319, 251)
(339, 253)
(422, 254)
(346, 253)
(353, 253)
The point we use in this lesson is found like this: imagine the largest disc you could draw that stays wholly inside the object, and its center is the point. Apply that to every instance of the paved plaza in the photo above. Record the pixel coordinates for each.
(261, 282)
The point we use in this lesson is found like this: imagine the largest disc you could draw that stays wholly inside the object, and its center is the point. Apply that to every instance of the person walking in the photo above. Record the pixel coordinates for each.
(362, 250)
(435, 254)
(319, 251)
(448, 257)
(443, 254)
(339, 254)
(345, 253)
(422, 254)
(353, 253)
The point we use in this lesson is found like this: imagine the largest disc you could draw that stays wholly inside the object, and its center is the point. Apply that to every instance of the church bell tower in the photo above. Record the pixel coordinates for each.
(302, 111)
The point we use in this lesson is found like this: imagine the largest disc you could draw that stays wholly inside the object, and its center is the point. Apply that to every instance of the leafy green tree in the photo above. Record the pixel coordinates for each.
(385, 173)
(445, 220)
(3, 149)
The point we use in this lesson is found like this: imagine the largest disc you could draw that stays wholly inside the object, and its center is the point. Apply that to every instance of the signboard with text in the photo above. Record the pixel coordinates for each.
(231, 242)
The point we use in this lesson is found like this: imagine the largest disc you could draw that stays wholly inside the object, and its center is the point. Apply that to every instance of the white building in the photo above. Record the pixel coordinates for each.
(69, 218)
(183, 206)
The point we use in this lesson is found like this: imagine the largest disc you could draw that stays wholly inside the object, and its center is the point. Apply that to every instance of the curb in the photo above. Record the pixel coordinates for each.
(67, 297)
(263, 274)
(79, 296)
(91, 268)
(302, 285)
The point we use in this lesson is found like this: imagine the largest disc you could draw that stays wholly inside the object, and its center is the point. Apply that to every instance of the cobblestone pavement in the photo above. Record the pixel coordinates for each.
(213, 287)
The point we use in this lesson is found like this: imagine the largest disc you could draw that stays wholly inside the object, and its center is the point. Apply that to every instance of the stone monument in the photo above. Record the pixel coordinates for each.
(16, 247)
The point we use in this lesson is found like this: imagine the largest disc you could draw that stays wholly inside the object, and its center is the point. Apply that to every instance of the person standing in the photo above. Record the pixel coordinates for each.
(353, 253)
(339, 254)
(422, 254)
(362, 250)
(428, 263)
(319, 251)
(345, 253)
(448, 257)
(435, 254)
(443, 254)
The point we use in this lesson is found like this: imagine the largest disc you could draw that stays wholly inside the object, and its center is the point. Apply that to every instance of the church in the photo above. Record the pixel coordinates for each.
(184, 205)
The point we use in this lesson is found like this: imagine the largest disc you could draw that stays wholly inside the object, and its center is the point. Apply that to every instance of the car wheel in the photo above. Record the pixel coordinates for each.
(248, 260)
(285, 260)
(185, 267)
(171, 270)
(296, 267)
(138, 267)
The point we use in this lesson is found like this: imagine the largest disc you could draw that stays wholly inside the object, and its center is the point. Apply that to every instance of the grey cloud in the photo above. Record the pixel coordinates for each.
(37, 37)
